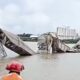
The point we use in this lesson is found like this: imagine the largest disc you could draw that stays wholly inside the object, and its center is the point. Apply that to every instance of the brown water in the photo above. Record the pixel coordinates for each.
(65, 66)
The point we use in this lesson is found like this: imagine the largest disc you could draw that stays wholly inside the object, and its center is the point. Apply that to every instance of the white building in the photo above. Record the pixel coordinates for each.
(66, 33)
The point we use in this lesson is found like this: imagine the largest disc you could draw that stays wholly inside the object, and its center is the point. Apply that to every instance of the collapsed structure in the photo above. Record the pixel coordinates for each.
(14, 43)
(49, 42)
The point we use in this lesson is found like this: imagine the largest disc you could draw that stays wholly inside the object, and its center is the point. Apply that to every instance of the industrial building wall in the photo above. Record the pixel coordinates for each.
(66, 33)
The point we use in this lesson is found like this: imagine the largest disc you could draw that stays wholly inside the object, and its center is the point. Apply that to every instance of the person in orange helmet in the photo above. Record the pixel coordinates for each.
(14, 69)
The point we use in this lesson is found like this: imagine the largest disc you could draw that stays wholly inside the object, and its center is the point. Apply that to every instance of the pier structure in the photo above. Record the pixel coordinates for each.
(76, 47)
(2, 51)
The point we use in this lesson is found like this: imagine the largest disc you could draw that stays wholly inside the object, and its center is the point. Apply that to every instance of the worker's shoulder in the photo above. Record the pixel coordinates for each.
(4, 77)
(20, 78)
(10, 76)
(17, 76)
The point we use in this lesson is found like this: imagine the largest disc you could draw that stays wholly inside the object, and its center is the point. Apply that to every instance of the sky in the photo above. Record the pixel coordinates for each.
(39, 16)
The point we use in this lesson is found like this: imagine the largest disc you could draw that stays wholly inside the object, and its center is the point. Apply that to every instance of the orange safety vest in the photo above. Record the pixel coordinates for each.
(12, 76)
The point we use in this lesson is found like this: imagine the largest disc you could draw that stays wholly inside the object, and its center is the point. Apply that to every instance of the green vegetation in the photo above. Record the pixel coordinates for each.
(27, 37)
(71, 40)
(24, 35)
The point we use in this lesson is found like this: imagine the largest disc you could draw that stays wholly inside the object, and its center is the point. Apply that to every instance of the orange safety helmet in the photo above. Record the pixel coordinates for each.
(15, 66)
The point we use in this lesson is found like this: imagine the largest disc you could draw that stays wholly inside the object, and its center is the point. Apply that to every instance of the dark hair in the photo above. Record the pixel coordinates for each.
(14, 72)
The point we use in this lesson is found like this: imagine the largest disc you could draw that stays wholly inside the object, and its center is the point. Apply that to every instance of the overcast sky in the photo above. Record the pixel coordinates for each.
(39, 16)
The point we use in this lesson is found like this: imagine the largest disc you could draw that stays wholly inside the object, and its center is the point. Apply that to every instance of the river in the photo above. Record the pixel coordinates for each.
(64, 66)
